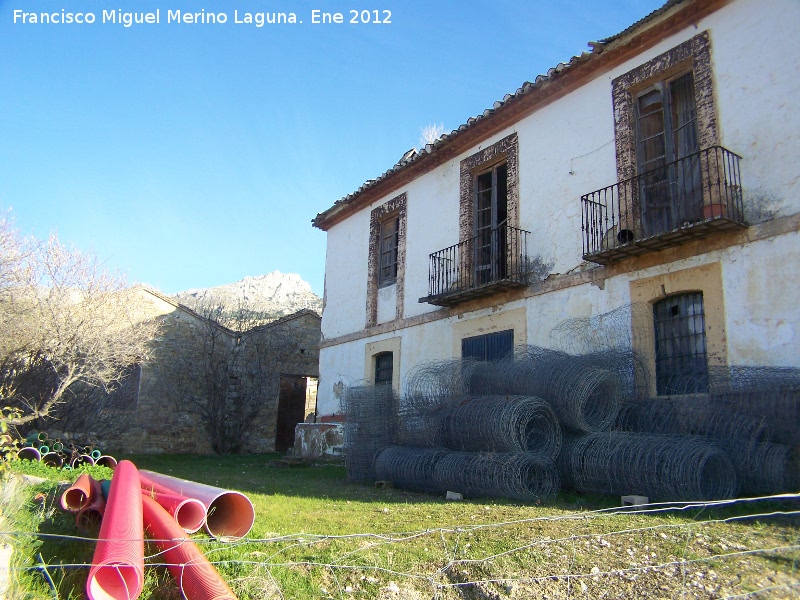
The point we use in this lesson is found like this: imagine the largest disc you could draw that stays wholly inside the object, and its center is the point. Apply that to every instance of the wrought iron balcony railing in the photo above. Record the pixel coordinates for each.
(680, 201)
(493, 260)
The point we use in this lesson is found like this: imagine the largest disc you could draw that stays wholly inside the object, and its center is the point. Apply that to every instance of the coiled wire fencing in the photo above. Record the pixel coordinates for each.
(501, 424)
(739, 416)
(477, 427)
(518, 475)
(584, 396)
(372, 414)
(661, 467)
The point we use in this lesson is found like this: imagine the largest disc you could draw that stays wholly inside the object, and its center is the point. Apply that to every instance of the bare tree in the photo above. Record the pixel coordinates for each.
(66, 324)
(430, 133)
(240, 364)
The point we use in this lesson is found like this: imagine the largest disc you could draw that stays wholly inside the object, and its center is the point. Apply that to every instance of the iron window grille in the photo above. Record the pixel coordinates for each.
(681, 353)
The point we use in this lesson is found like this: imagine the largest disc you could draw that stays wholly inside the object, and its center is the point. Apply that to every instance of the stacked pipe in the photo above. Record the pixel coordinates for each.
(38, 446)
(229, 514)
(132, 503)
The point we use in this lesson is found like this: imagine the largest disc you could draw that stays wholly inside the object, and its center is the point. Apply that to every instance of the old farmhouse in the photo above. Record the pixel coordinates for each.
(657, 169)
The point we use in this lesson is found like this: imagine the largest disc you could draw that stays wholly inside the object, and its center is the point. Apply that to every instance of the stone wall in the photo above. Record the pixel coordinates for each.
(177, 381)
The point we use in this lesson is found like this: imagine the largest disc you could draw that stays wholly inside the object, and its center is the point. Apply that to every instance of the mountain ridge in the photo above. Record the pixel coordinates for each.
(268, 297)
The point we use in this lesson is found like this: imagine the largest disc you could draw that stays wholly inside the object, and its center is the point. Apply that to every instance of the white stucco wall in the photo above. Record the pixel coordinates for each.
(345, 308)
(761, 302)
(756, 53)
(566, 149)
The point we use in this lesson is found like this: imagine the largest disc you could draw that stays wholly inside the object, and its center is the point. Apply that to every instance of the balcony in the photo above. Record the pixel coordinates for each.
(483, 265)
(681, 201)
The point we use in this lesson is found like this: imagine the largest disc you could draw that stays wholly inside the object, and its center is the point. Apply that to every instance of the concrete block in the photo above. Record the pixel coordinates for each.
(634, 500)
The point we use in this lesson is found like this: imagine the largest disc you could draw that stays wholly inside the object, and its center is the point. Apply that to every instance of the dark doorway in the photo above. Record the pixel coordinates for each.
(291, 410)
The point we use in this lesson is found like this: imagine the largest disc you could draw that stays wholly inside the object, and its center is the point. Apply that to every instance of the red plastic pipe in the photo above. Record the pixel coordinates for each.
(228, 514)
(91, 516)
(195, 575)
(159, 491)
(78, 495)
(189, 513)
(117, 571)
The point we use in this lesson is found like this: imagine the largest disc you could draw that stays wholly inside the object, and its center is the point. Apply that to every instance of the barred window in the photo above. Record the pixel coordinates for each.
(384, 368)
(681, 356)
(491, 346)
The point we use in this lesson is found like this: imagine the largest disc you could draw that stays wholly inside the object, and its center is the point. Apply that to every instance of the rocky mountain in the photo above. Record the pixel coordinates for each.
(270, 296)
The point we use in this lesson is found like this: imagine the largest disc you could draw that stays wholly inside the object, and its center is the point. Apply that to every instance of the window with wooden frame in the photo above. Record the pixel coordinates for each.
(666, 155)
(664, 118)
(491, 216)
(387, 233)
(489, 194)
(389, 242)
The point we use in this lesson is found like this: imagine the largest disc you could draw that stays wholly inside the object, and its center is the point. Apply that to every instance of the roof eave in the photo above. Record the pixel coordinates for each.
(559, 81)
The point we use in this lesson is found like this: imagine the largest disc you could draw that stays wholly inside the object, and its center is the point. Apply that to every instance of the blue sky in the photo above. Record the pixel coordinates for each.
(192, 155)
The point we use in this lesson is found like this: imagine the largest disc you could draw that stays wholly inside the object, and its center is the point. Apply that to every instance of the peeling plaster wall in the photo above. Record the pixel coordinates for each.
(762, 304)
(432, 225)
(758, 110)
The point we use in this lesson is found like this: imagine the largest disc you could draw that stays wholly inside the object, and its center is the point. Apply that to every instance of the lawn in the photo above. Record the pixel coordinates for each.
(318, 536)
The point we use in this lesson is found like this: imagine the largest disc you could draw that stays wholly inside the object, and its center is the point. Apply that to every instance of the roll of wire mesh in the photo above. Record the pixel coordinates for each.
(371, 426)
(501, 424)
(693, 415)
(769, 469)
(662, 467)
(409, 468)
(434, 384)
(517, 475)
(585, 397)
(762, 467)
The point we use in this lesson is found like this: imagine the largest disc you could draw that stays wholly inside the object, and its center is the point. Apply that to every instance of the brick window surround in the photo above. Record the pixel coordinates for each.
(506, 150)
(694, 54)
(394, 207)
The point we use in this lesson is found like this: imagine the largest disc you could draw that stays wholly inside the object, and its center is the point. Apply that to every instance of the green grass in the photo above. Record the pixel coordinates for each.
(303, 544)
